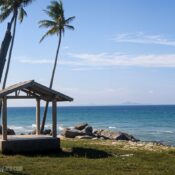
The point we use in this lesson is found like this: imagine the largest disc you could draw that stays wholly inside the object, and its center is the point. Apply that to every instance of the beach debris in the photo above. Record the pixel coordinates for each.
(123, 155)
(80, 126)
(84, 137)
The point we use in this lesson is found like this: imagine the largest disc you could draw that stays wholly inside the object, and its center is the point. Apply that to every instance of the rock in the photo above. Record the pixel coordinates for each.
(125, 136)
(88, 130)
(47, 132)
(71, 133)
(106, 134)
(33, 132)
(9, 131)
(84, 137)
(97, 132)
(81, 126)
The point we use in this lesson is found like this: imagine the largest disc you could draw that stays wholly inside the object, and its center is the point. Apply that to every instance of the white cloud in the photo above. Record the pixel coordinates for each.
(114, 60)
(35, 61)
(144, 39)
(66, 47)
(84, 61)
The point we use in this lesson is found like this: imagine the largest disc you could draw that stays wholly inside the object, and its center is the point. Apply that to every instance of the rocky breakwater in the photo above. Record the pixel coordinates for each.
(85, 131)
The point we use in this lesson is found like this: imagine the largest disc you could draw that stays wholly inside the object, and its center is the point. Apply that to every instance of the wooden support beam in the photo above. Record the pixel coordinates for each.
(54, 118)
(20, 97)
(37, 116)
(4, 118)
(35, 95)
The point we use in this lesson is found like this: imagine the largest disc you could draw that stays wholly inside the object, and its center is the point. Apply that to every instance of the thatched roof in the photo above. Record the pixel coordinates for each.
(34, 89)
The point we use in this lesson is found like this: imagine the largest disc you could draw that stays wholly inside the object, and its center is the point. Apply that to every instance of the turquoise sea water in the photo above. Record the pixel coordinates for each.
(149, 123)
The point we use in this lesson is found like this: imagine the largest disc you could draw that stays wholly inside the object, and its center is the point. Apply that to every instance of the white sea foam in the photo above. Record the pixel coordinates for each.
(170, 132)
(112, 127)
(17, 128)
(161, 132)
(21, 129)
(60, 128)
(34, 125)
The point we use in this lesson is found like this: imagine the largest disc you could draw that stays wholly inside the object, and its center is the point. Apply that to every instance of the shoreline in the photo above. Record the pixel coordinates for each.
(125, 145)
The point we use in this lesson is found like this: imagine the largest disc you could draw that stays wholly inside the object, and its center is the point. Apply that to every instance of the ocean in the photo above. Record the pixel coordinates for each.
(147, 123)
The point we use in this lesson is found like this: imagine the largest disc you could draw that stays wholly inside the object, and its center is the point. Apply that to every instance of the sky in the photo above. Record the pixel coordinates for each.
(120, 52)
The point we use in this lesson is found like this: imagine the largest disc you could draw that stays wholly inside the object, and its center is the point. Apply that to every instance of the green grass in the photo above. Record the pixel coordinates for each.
(89, 158)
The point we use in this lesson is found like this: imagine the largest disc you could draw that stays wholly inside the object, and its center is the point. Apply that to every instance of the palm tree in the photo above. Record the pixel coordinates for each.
(16, 8)
(56, 25)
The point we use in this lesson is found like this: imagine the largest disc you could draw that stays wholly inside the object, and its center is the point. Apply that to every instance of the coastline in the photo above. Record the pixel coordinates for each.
(147, 123)
(124, 145)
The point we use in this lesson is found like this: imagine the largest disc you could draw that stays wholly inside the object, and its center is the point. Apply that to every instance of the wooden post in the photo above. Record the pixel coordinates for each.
(4, 118)
(37, 116)
(54, 118)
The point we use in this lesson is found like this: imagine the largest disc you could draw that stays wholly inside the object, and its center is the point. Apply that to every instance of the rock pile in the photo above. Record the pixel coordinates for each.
(84, 131)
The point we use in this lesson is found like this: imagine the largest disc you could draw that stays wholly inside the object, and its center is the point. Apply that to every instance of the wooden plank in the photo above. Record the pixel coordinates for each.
(46, 93)
(54, 118)
(4, 119)
(37, 116)
(20, 97)
(15, 87)
(35, 95)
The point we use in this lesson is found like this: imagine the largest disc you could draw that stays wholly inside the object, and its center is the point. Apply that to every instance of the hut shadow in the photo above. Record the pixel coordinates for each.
(16, 173)
(76, 152)
(85, 152)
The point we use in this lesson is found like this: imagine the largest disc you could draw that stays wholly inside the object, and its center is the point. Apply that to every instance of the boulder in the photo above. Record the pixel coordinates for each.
(71, 133)
(106, 134)
(88, 130)
(33, 132)
(47, 132)
(97, 132)
(9, 131)
(81, 126)
(125, 136)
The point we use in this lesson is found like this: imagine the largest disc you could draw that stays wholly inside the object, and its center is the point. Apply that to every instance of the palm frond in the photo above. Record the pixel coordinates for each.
(26, 2)
(5, 14)
(8, 7)
(69, 27)
(22, 14)
(58, 23)
(51, 14)
(67, 21)
(52, 31)
(47, 23)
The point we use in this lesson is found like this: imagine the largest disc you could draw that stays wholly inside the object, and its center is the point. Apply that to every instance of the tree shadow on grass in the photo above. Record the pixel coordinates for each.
(76, 152)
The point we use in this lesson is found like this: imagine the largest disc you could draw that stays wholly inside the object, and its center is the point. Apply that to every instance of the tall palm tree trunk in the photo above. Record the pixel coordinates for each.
(51, 82)
(10, 52)
(14, 19)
